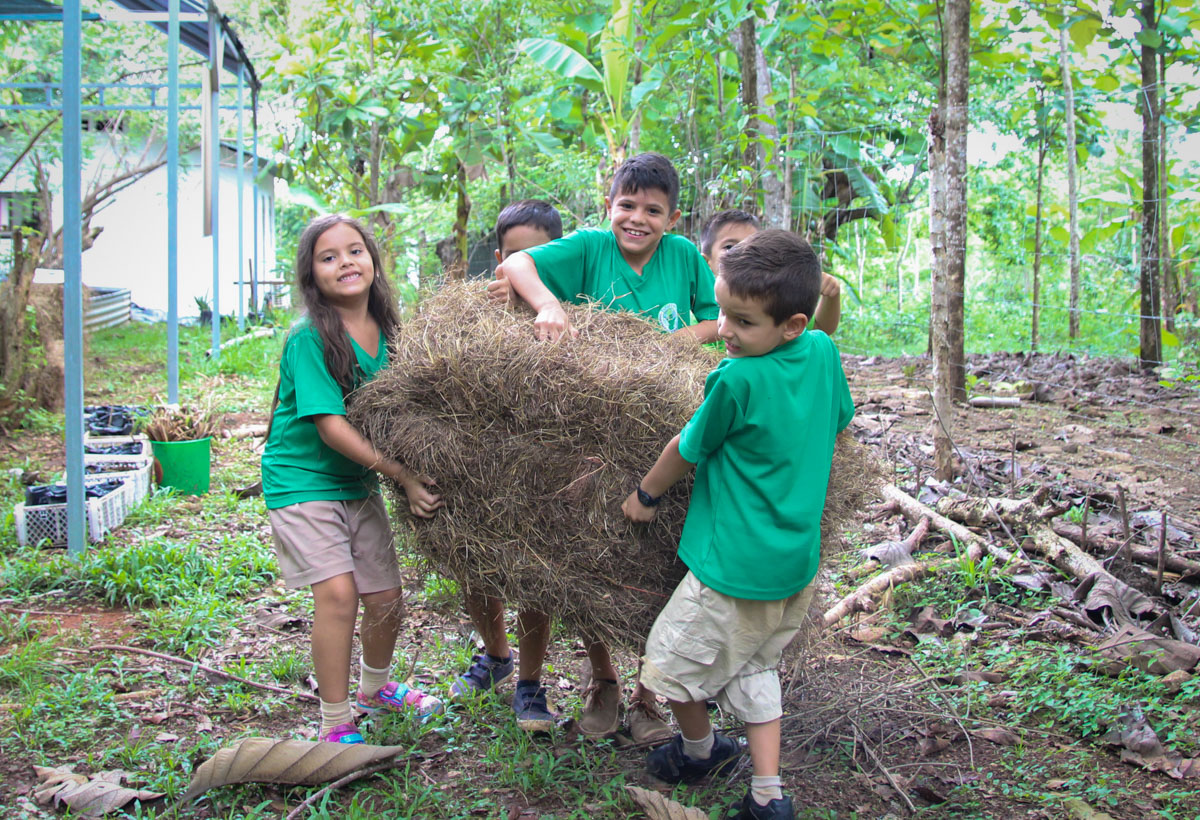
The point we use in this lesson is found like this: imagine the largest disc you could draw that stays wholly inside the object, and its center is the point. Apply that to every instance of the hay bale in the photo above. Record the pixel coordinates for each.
(535, 446)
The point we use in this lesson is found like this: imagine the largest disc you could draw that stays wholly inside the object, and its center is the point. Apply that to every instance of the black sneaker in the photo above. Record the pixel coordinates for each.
(748, 809)
(669, 764)
(529, 702)
(485, 674)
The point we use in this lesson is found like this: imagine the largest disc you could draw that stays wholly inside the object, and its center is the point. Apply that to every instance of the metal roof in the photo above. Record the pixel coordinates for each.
(35, 10)
(195, 35)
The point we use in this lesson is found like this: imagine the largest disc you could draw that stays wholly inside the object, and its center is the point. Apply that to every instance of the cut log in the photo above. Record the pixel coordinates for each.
(984, 512)
(1143, 555)
(995, 401)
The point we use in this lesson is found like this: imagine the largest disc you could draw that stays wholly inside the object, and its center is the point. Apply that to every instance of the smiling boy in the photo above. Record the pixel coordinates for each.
(634, 266)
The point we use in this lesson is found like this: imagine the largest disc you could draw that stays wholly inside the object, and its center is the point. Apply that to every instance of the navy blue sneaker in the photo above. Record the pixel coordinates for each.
(529, 702)
(669, 764)
(777, 809)
(485, 674)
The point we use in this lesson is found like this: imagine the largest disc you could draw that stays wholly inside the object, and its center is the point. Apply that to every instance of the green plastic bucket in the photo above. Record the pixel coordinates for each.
(184, 464)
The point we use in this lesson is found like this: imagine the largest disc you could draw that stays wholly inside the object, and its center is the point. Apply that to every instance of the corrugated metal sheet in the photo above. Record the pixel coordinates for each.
(106, 307)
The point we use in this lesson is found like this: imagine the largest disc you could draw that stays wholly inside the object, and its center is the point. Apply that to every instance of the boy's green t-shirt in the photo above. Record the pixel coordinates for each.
(296, 464)
(762, 442)
(587, 265)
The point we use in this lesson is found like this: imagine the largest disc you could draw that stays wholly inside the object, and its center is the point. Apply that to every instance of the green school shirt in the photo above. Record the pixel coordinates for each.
(296, 464)
(762, 441)
(587, 265)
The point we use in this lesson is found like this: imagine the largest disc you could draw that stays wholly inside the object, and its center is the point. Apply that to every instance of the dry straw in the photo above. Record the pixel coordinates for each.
(535, 445)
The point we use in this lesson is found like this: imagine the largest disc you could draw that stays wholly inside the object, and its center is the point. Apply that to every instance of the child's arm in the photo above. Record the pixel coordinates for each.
(522, 275)
(704, 332)
(338, 433)
(670, 467)
(829, 306)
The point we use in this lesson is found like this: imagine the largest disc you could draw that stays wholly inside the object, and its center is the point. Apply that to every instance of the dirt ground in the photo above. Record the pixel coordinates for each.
(1084, 428)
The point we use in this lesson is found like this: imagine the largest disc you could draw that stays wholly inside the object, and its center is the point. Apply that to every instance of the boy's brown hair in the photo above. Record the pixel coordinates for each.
(777, 269)
(648, 170)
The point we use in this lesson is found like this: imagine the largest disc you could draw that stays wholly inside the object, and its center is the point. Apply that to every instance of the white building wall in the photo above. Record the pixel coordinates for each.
(131, 251)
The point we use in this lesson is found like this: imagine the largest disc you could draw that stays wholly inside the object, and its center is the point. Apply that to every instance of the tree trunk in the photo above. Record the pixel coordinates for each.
(1150, 329)
(1170, 289)
(761, 131)
(1072, 186)
(938, 301)
(14, 296)
(461, 216)
(1037, 240)
(958, 47)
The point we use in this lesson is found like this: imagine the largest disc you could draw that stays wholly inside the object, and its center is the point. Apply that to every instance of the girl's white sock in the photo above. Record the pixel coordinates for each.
(698, 749)
(372, 680)
(765, 789)
(335, 714)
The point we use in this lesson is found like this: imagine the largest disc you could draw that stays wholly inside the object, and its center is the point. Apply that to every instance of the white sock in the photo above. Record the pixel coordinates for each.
(335, 714)
(765, 789)
(372, 680)
(698, 749)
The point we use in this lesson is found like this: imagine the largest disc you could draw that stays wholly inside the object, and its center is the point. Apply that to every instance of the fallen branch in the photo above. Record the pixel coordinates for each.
(312, 799)
(914, 510)
(203, 668)
(1142, 555)
(863, 598)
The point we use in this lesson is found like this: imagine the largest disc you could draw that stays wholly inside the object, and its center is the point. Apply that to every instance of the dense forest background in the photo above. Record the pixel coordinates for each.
(426, 118)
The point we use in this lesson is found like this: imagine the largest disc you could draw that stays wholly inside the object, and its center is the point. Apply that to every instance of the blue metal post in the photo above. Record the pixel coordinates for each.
(254, 292)
(241, 174)
(72, 158)
(215, 50)
(173, 203)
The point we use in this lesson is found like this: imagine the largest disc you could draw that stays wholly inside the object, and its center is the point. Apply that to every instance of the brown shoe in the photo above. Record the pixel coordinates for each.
(647, 724)
(601, 708)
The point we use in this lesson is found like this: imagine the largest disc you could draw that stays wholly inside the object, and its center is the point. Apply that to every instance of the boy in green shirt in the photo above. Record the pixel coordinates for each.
(635, 266)
(762, 445)
(724, 229)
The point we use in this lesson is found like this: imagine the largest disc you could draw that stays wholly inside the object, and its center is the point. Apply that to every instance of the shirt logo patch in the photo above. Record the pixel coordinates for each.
(669, 318)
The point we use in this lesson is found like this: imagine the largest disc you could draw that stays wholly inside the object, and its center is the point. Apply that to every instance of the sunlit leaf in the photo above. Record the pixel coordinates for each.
(564, 61)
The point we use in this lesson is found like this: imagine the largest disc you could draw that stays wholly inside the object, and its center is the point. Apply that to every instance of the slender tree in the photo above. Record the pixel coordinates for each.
(1150, 328)
(1072, 185)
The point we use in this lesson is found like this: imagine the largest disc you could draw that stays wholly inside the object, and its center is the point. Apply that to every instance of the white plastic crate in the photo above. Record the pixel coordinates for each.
(144, 452)
(135, 471)
(42, 521)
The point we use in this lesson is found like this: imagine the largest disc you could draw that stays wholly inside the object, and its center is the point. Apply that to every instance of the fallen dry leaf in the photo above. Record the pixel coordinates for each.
(90, 797)
(293, 762)
(658, 807)
(1139, 744)
(998, 735)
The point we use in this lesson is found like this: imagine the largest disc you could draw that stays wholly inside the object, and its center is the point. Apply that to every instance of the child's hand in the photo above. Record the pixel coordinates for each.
(552, 324)
(635, 510)
(499, 289)
(421, 502)
(831, 288)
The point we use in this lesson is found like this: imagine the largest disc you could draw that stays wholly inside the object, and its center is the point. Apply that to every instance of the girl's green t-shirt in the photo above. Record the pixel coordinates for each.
(587, 265)
(296, 464)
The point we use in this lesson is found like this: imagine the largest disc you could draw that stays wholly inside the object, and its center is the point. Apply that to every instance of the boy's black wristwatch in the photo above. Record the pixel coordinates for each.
(647, 500)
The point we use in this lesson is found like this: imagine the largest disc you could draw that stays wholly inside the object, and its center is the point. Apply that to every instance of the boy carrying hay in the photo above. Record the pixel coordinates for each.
(762, 444)
(636, 267)
(519, 225)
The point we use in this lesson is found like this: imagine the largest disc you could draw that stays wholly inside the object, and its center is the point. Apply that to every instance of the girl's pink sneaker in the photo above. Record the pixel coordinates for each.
(342, 733)
(399, 697)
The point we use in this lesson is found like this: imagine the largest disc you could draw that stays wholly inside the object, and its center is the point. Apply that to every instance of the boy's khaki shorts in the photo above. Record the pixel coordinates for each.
(708, 645)
(317, 540)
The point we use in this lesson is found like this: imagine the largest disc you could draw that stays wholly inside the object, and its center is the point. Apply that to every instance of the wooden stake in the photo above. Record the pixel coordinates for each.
(1124, 515)
(1162, 553)
(1087, 505)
